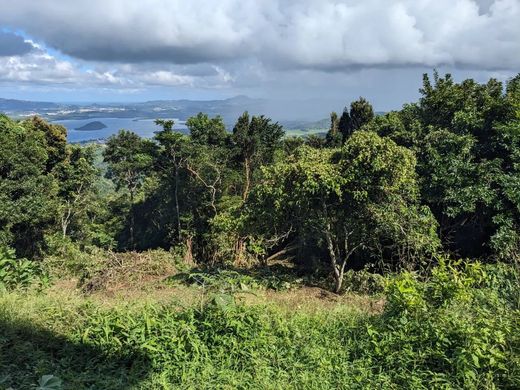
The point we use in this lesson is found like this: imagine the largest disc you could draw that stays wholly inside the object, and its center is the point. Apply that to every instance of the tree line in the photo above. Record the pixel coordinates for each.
(441, 175)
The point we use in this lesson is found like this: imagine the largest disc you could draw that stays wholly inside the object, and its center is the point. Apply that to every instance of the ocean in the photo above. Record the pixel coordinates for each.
(144, 127)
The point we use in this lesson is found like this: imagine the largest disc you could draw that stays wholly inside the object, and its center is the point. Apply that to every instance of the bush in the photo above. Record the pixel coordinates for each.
(364, 282)
(458, 328)
(19, 273)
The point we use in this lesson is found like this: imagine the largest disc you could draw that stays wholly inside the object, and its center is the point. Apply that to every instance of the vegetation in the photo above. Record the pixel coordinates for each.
(176, 256)
(457, 330)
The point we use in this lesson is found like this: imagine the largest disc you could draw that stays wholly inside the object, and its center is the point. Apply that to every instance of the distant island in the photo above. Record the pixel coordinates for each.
(91, 126)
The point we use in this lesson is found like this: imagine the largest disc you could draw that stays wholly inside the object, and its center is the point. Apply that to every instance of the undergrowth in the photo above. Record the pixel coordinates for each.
(240, 280)
(458, 329)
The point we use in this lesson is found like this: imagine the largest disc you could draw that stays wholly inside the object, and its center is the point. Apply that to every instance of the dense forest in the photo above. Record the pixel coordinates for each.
(393, 200)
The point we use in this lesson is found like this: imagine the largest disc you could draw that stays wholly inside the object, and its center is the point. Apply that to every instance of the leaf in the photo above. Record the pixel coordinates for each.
(224, 300)
(49, 382)
(475, 361)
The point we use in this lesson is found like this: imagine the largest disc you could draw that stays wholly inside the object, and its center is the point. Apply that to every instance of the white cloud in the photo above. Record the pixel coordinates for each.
(290, 48)
(312, 34)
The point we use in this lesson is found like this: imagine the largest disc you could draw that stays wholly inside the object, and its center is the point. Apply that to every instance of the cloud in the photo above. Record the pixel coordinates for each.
(13, 45)
(327, 35)
(40, 67)
(37, 66)
(288, 49)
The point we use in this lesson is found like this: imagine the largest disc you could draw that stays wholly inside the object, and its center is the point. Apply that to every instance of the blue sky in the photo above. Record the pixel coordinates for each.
(328, 51)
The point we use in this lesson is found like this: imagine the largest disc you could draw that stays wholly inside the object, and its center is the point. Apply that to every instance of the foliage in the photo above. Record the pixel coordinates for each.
(360, 199)
(230, 281)
(49, 382)
(361, 113)
(18, 273)
(207, 131)
(27, 189)
(389, 191)
(456, 330)
(467, 140)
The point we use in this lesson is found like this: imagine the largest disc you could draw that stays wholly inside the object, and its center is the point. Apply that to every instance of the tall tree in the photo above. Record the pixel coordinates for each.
(361, 113)
(130, 160)
(27, 190)
(256, 140)
(173, 155)
(344, 124)
(77, 176)
(206, 130)
(334, 136)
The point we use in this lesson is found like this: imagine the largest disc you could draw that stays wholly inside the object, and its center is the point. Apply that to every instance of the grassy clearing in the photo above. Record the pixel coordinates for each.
(458, 329)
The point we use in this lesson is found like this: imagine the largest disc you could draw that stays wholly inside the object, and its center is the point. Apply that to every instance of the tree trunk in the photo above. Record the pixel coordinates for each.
(177, 208)
(65, 220)
(188, 255)
(64, 227)
(339, 282)
(247, 171)
(339, 277)
(336, 268)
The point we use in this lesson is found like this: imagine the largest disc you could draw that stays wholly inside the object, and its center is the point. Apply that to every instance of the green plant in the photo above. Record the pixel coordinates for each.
(49, 382)
(364, 282)
(18, 273)
(426, 338)
(231, 281)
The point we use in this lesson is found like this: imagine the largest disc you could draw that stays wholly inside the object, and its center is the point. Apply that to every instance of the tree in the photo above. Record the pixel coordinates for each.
(363, 199)
(129, 159)
(361, 113)
(466, 138)
(334, 137)
(344, 124)
(207, 131)
(171, 160)
(55, 139)
(27, 190)
(256, 140)
(77, 176)
(315, 141)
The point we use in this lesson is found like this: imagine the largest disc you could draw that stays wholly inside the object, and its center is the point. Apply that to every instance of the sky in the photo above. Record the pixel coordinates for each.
(324, 51)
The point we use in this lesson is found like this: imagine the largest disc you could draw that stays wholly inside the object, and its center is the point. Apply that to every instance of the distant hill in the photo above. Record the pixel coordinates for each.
(322, 124)
(24, 105)
(299, 116)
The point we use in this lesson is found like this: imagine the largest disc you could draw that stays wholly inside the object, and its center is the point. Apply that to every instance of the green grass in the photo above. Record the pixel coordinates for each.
(458, 329)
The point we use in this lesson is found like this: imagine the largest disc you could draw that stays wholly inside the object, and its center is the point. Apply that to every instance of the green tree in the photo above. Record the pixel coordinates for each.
(334, 137)
(466, 138)
(55, 139)
(77, 177)
(206, 130)
(173, 155)
(360, 200)
(256, 140)
(360, 114)
(130, 160)
(27, 190)
(344, 124)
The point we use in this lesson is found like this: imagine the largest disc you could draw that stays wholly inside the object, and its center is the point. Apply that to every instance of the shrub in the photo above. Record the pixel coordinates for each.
(18, 273)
